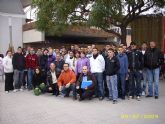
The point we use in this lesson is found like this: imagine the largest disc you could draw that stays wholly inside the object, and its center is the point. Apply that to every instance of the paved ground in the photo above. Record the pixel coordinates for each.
(25, 108)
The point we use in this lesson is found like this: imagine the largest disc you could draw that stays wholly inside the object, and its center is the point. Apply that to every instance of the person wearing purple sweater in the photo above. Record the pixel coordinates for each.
(83, 61)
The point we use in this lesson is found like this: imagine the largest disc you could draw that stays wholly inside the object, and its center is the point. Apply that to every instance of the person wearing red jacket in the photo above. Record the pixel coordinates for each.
(31, 64)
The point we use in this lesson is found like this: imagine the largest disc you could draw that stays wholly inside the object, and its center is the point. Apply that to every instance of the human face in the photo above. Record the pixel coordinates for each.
(107, 47)
(58, 57)
(133, 47)
(37, 71)
(32, 51)
(110, 53)
(144, 46)
(19, 50)
(50, 51)
(66, 67)
(9, 54)
(95, 51)
(71, 54)
(120, 50)
(82, 55)
(85, 70)
(152, 44)
(52, 66)
(77, 55)
(89, 49)
(45, 52)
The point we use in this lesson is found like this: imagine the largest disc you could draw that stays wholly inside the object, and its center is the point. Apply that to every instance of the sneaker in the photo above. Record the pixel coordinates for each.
(21, 89)
(138, 98)
(114, 101)
(101, 98)
(130, 97)
(149, 96)
(123, 97)
(6, 92)
(109, 99)
(15, 90)
(156, 97)
(81, 99)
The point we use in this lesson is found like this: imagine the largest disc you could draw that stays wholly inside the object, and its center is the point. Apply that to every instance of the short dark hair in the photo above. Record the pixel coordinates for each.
(66, 64)
(19, 47)
(110, 49)
(133, 43)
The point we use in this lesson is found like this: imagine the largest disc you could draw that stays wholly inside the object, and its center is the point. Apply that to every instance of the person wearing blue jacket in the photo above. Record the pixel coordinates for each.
(123, 71)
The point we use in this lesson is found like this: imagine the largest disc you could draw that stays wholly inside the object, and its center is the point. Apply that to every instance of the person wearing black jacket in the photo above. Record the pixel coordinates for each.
(135, 60)
(112, 67)
(18, 62)
(52, 76)
(59, 63)
(153, 60)
(37, 78)
(89, 91)
(43, 63)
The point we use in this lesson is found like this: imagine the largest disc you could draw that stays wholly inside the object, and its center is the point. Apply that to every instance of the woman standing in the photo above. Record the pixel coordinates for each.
(8, 69)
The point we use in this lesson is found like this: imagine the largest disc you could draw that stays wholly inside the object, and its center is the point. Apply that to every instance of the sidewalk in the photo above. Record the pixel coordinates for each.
(26, 108)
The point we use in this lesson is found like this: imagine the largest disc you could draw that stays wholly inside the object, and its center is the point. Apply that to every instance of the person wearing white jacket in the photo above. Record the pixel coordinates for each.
(8, 69)
(97, 63)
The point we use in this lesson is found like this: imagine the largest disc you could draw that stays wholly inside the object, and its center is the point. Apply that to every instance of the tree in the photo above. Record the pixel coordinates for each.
(55, 15)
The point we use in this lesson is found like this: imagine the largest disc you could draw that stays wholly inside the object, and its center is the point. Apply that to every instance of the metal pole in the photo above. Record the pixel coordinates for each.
(10, 32)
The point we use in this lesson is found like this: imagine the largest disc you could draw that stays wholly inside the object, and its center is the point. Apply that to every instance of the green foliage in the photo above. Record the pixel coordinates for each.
(54, 16)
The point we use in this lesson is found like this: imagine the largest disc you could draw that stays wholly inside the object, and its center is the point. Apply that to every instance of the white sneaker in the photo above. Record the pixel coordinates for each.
(15, 90)
(21, 89)
(138, 98)
(6, 92)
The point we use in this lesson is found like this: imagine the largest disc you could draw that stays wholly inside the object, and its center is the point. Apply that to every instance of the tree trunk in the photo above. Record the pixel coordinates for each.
(123, 34)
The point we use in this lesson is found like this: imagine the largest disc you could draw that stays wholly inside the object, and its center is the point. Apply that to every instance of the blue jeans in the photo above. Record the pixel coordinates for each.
(144, 82)
(99, 89)
(18, 78)
(153, 77)
(112, 86)
(121, 82)
(30, 76)
(66, 91)
(135, 83)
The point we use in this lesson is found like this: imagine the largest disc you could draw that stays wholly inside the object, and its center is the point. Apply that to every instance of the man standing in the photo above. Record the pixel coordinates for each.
(18, 62)
(153, 60)
(123, 71)
(112, 66)
(144, 80)
(31, 64)
(97, 64)
(66, 81)
(135, 60)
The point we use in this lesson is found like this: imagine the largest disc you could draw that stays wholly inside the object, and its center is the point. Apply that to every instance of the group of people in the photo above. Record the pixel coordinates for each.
(114, 72)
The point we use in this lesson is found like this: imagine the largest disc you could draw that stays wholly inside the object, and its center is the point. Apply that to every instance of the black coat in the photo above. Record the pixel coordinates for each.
(43, 62)
(18, 61)
(153, 58)
(49, 77)
(135, 60)
(37, 80)
(112, 66)
(89, 77)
